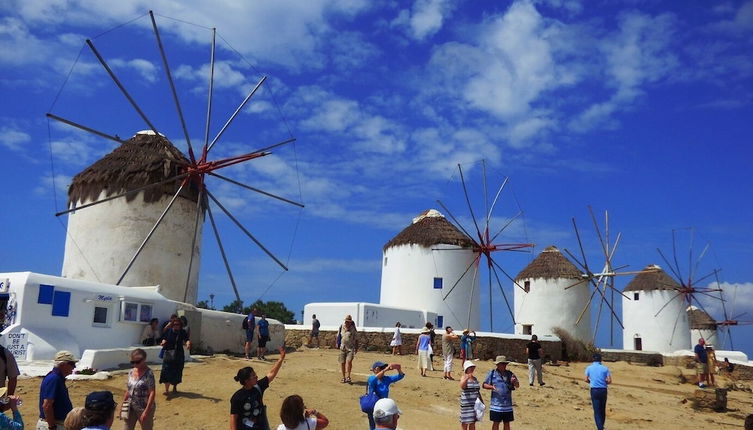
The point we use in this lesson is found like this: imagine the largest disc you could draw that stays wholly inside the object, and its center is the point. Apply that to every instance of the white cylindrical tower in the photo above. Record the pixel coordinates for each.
(702, 326)
(654, 313)
(102, 239)
(544, 304)
(423, 262)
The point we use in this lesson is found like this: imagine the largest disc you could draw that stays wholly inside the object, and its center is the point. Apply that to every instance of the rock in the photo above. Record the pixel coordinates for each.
(710, 399)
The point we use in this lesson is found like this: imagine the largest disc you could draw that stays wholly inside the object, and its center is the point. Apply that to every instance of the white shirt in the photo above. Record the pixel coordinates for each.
(302, 426)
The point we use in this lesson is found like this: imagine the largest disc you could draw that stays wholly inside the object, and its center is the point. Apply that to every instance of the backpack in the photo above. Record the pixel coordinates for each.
(245, 323)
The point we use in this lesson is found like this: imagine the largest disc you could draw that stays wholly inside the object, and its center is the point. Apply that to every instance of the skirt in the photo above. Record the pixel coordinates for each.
(423, 359)
(468, 414)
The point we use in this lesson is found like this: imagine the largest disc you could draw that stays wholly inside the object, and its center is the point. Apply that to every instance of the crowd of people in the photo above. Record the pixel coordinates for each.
(247, 408)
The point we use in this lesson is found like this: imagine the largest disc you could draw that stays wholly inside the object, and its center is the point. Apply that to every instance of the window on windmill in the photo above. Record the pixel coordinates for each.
(385, 261)
(527, 328)
(136, 312)
(635, 296)
(437, 283)
(527, 286)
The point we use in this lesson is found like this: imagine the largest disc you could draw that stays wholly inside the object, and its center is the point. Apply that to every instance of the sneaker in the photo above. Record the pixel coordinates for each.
(541, 384)
(531, 384)
(701, 385)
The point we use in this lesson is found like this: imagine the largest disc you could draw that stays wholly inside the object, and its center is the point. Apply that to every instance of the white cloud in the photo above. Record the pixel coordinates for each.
(738, 298)
(60, 184)
(326, 265)
(144, 68)
(14, 139)
(427, 17)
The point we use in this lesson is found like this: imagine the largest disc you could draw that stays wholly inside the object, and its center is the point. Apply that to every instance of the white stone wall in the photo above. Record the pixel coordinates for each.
(408, 273)
(666, 332)
(102, 239)
(710, 335)
(548, 305)
(366, 315)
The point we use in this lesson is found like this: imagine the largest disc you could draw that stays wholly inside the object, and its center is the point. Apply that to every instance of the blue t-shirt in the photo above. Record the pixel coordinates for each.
(465, 341)
(597, 373)
(53, 387)
(382, 386)
(423, 342)
(502, 396)
(263, 327)
(701, 351)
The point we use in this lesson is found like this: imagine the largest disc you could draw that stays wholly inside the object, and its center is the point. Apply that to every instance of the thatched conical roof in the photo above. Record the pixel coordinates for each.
(700, 320)
(653, 279)
(428, 229)
(144, 159)
(550, 264)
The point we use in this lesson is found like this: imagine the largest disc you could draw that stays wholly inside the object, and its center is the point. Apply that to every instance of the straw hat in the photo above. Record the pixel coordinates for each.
(501, 359)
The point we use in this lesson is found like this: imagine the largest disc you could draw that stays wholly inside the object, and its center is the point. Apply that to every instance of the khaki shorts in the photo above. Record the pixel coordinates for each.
(345, 356)
(702, 368)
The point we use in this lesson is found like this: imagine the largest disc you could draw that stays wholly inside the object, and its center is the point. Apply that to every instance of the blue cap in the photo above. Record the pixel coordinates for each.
(378, 365)
(100, 401)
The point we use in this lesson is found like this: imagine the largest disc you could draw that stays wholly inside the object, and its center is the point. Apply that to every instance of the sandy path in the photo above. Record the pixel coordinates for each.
(641, 397)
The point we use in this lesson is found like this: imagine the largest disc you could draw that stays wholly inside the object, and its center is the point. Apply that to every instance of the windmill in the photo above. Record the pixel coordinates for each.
(485, 241)
(602, 282)
(186, 175)
(731, 319)
(688, 288)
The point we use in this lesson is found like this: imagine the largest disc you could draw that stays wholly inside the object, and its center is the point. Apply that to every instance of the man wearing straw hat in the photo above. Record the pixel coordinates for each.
(54, 401)
(502, 382)
(347, 338)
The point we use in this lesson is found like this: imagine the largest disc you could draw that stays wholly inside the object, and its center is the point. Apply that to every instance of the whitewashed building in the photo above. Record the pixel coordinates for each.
(545, 303)
(424, 262)
(102, 239)
(654, 313)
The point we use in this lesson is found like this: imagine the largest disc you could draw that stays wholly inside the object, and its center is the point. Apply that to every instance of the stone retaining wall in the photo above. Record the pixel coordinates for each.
(485, 347)
(635, 357)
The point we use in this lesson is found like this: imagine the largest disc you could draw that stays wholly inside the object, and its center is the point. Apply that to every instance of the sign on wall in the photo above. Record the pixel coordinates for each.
(17, 344)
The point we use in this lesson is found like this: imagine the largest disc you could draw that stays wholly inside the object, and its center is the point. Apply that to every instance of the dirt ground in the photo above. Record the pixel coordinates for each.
(640, 398)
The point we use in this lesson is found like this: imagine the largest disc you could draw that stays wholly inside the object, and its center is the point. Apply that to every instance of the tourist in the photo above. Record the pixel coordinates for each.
(466, 344)
(140, 393)
(8, 370)
(386, 414)
(397, 340)
(314, 332)
(347, 343)
(11, 402)
(710, 364)
(263, 333)
(702, 363)
(448, 351)
(249, 325)
(54, 402)
(99, 411)
(533, 350)
(728, 367)
(379, 383)
(173, 356)
(502, 382)
(74, 420)
(469, 392)
(295, 416)
(422, 350)
(186, 328)
(247, 409)
(151, 333)
(598, 377)
(432, 336)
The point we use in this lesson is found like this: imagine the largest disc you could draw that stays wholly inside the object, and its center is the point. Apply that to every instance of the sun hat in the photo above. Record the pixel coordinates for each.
(378, 365)
(467, 364)
(65, 356)
(501, 359)
(466, 331)
(385, 407)
(348, 318)
(99, 401)
(425, 331)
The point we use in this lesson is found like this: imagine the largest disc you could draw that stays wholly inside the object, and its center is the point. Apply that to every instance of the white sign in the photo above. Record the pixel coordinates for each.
(16, 344)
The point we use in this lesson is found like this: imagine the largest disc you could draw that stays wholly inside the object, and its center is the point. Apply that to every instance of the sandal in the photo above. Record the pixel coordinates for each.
(343, 381)
(348, 380)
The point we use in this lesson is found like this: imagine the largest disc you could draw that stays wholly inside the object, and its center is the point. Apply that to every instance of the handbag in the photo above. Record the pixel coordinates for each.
(479, 407)
(368, 401)
(125, 408)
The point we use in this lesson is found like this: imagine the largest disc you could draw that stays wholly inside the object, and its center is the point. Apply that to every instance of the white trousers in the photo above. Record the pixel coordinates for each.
(448, 362)
(534, 366)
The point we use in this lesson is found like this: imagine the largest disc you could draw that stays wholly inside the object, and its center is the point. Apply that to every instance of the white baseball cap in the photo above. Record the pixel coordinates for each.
(385, 407)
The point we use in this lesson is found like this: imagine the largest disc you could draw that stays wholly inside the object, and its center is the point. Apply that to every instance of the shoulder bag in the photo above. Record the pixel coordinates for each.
(368, 400)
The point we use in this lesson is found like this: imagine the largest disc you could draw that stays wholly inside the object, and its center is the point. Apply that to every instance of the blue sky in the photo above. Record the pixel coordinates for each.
(639, 108)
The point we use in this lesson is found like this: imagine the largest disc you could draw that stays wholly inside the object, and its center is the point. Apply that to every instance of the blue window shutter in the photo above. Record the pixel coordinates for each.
(61, 303)
(440, 321)
(45, 294)
(437, 283)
